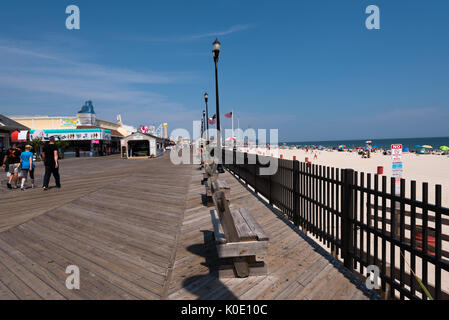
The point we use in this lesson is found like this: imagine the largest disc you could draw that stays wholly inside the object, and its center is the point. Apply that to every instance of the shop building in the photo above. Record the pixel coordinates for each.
(80, 142)
(10, 132)
(143, 145)
(85, 133)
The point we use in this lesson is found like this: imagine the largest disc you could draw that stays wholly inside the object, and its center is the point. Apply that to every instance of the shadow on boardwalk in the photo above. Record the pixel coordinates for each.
(207, 250)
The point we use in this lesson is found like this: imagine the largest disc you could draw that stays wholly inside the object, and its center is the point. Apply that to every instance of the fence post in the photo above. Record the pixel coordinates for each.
(347, 216)
(269, 183)
(295, 193)
(234, 162)
(245, 166)
(256, 167)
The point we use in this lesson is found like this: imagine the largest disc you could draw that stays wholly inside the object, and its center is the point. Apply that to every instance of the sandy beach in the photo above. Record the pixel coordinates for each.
(433, 169)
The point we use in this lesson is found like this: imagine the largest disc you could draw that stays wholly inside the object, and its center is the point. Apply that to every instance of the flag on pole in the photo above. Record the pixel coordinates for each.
(228, 115)
(213, 119)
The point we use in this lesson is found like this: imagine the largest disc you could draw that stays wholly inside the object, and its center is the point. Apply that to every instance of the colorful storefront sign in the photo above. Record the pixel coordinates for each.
(72, 134)
(69, 122)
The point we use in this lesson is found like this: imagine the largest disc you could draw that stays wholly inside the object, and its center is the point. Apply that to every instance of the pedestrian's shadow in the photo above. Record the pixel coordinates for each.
(207, 286)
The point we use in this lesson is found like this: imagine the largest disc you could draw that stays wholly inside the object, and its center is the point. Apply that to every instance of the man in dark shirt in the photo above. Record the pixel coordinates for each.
(12, 160)
(50, 157)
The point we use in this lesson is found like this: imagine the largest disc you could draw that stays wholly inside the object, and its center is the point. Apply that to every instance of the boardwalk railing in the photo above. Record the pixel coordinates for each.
(361, 220)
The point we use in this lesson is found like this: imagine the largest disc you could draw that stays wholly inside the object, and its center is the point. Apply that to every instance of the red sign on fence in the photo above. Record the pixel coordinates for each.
(396, 152)
(396, 157)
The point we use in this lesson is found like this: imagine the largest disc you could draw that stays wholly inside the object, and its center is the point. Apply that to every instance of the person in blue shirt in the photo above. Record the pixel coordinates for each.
(26, 160)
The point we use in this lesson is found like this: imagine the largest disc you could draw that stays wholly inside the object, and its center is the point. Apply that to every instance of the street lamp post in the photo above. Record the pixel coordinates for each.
(201, 137)
(216, 53)
(203, 124)
(206, 98)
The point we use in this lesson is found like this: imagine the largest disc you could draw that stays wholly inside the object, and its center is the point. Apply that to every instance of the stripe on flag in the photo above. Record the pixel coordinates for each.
(212, 120)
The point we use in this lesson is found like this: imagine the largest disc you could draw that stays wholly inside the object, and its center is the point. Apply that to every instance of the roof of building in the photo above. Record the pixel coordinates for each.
(87, 108)
(114, 133)
(10, 125)
(147, 135)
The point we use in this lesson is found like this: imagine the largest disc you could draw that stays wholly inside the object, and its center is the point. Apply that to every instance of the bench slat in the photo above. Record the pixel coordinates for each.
(211, 170)
(218, 185)
(222, 184)
(225, 216)
(243, 230)
(242, 249)
(253, 225)
(220, 236)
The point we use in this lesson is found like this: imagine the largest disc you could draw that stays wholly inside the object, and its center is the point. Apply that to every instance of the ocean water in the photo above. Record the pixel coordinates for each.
(380, 143)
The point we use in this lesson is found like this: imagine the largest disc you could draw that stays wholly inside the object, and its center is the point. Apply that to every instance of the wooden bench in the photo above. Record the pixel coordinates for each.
(239, 238)
(210, 171)
(214, 185)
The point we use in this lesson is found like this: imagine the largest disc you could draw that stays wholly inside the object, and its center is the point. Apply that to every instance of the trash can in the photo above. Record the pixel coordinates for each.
(380, 170)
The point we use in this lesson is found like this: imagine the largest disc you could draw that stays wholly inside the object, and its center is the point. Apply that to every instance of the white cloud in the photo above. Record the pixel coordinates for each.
(192, 37)
(27, 71)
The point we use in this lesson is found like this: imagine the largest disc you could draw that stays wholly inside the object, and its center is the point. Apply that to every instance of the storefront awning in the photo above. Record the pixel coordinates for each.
(72, 134)
(20, 136)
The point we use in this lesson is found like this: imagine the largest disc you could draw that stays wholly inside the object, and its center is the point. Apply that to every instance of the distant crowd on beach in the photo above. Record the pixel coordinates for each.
(363, 151)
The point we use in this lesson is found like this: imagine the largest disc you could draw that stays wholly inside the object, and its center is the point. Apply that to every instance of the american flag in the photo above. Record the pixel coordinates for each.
(213, 119)
(228, 115)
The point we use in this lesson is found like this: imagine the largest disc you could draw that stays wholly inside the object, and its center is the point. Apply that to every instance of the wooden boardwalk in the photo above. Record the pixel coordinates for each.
(137, 230)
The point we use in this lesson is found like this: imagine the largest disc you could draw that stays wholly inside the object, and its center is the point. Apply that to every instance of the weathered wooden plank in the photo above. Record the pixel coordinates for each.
(253, 225)
(226, 218)
(16, 285)
(37, 285)
(243, 230)
(93, 284)
(219, 234)
(242, 249)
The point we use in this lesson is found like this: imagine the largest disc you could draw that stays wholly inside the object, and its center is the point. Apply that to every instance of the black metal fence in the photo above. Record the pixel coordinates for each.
(361, 220)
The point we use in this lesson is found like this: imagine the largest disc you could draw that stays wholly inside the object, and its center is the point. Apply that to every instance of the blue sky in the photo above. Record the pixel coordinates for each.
(309, 68)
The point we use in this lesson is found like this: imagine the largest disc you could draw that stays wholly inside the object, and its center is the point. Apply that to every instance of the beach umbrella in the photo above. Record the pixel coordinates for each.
(427, 147)
(341, 146)
(418, 146)
(444, 148)
(369, 141)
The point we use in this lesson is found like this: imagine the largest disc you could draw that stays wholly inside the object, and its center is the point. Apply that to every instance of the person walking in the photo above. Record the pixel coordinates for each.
(50, 158)
(12, 160)
(27, 164)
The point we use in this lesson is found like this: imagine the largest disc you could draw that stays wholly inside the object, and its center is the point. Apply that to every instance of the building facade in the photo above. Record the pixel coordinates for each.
(85, 134)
